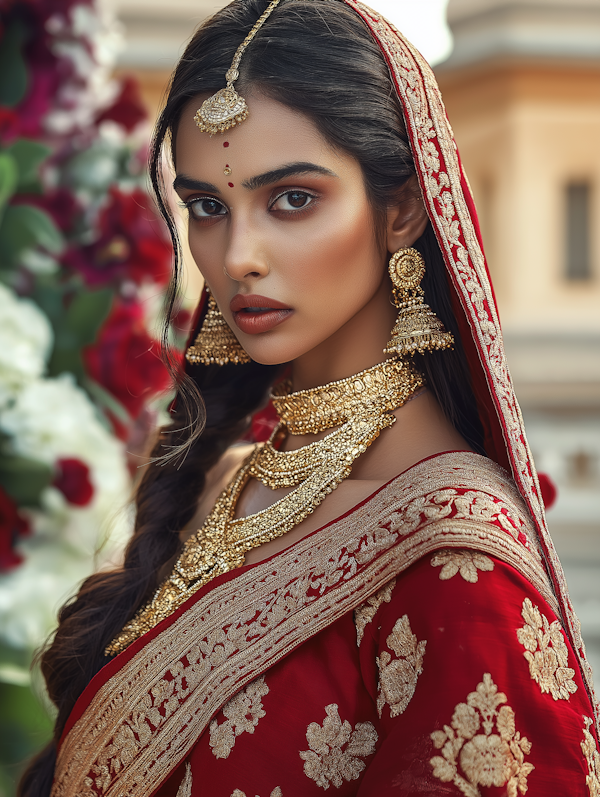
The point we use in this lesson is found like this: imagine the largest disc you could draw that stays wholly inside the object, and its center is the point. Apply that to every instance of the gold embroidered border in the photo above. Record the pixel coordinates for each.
(442, 191)
(145, 719)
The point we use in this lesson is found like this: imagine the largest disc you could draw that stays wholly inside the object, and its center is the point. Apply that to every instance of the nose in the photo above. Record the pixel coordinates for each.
(245, 257)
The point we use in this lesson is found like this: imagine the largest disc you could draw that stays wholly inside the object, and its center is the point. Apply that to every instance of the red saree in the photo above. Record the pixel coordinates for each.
(424, 643)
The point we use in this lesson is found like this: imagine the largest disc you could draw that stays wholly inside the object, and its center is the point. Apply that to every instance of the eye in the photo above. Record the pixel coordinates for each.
(292, 200)
(205, 208)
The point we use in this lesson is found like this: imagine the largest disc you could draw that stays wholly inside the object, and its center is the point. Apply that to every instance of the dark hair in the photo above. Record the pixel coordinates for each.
(317, 57)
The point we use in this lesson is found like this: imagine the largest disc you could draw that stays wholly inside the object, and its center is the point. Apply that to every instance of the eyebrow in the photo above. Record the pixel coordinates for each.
(290, 170)
(183, 181)
(260, 181)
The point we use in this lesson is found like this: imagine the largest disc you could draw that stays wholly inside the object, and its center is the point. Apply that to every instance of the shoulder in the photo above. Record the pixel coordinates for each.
(452, 500)
(463, 493)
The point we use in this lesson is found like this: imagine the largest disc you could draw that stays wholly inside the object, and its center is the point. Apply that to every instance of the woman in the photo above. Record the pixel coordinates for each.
(372, 603)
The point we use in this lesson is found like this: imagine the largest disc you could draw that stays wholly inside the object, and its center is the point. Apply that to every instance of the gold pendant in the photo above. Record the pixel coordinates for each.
(223, 110)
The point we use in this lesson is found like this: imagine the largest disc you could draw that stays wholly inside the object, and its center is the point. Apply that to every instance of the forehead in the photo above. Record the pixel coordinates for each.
(273, 134)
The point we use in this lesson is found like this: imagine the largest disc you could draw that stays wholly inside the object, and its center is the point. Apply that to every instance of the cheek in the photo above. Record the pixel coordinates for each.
(206, 250)
(340, 256)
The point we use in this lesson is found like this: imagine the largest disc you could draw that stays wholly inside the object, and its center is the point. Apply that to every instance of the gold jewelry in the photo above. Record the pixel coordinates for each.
(417, 327)
(380, 388)
(317, 469)
(215, 343)
(227, 108)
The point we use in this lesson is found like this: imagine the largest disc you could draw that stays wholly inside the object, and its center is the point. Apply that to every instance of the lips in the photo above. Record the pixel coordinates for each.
(254, 314)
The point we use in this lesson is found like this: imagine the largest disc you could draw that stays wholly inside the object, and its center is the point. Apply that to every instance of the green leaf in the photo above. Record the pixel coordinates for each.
(28, 155)
(24, 479)
(66, 358)
(107, 401)
(25, 227)
(86, 314)
(24, 726)
(13, 69)
(77, 327)
(9, 177)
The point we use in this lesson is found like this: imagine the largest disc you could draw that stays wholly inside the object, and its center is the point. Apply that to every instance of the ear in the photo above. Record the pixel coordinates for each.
(407, 219)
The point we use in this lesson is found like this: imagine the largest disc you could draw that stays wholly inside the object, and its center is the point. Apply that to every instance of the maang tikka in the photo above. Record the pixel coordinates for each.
(215, 343)
(227, 108)
(417, 327)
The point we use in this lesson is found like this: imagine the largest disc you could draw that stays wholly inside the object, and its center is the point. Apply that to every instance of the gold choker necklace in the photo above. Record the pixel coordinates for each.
(360, 406)
(381, 388)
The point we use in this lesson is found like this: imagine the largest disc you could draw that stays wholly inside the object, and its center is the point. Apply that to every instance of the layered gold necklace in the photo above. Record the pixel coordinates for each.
(360, 407)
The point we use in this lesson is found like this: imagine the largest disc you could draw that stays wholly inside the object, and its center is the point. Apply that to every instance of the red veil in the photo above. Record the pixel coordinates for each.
(109, 698)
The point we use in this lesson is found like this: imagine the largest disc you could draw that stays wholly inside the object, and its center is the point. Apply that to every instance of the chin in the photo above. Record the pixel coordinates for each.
(271, 354)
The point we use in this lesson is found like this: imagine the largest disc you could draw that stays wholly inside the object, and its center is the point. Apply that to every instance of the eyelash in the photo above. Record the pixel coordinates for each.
(187, 205)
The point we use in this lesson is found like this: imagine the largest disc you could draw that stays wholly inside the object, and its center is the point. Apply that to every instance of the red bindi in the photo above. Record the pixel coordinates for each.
(230, 185)
(226, 143)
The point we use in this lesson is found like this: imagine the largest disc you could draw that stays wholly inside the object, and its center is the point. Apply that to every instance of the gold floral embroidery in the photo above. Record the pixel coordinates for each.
(185, 789)
(199, 662)
(398, 678)
(242, 713)
(365, 613)
(336, 750)
(592, 757)
(275, 793)
(486, 759)
(547, 653)
(467, 563)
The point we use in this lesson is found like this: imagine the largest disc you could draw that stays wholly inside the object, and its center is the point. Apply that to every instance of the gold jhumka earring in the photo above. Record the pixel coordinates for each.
(215, 343)
(227, 108)
(417, 327)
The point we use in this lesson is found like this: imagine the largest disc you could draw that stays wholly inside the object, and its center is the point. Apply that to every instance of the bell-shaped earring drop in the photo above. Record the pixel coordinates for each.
(216, 343)
(417, 328)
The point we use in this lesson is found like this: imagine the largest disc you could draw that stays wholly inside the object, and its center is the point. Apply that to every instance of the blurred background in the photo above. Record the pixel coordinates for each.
(84, 261)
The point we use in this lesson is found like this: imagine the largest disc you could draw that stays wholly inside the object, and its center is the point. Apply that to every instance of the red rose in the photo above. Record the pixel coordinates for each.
(132, 244)
(73, 480)
(128, 109)
(126, 360)
(12, 526)
(548, 490)
(9, 125)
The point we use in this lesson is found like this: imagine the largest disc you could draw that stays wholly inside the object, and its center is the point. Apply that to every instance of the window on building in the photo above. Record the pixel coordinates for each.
(578, 255)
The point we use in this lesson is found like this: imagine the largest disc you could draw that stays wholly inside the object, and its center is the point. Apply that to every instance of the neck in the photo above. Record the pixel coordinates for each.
(354, 347)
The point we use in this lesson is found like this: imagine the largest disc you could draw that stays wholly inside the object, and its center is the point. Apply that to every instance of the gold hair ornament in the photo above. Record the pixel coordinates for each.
(215, 343)
(227, 108)
(417, 327)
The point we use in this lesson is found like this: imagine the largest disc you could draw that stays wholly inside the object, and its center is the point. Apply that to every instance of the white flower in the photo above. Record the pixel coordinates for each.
(63, 550)
(51, 419)
(25, 342)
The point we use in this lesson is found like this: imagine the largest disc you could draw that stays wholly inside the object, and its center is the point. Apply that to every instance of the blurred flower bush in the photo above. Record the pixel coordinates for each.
(83, 260)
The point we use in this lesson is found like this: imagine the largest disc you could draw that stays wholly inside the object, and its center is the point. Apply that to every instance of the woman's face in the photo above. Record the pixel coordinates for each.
(280, 227)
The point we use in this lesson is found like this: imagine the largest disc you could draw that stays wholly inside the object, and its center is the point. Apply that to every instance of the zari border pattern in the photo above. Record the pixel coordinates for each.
(144, 720)
(441, 176)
